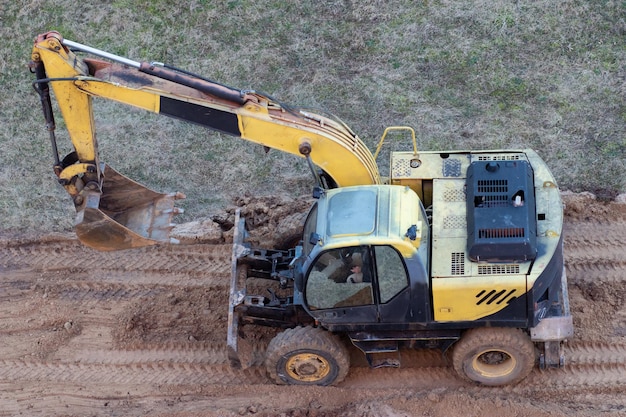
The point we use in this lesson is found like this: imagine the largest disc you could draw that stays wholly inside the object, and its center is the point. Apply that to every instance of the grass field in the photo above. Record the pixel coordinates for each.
(465, 74)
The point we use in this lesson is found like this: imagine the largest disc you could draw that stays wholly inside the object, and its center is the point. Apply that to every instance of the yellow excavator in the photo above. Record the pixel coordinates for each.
(456, 250)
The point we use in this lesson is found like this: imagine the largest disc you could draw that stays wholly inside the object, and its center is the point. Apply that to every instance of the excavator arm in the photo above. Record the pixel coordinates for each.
(114, 212)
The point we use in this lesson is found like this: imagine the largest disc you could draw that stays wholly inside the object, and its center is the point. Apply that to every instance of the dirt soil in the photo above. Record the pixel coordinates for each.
(143, 332)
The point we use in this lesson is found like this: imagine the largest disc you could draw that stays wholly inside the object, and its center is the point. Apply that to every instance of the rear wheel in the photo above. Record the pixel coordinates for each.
(307, 356)
(494, 356)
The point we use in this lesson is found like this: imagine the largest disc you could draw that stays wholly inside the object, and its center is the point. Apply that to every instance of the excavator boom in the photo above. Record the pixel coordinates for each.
(114, 212)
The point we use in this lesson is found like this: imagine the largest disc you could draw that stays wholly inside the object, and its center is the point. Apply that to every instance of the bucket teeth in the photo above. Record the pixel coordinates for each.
(175, 210)
(177, 195)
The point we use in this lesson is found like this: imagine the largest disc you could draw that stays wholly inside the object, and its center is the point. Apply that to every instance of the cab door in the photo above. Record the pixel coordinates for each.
(336, 292)
(360, 285)
(392, 281)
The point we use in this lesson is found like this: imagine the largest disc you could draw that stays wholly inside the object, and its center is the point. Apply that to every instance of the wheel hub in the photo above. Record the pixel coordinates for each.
(494, 363)
(307, 367)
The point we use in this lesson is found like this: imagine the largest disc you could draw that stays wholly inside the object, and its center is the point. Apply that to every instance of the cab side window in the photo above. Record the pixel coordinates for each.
(340, 278)
(392, 277)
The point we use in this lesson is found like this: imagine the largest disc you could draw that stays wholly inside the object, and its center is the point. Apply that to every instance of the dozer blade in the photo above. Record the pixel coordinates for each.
(125, 215)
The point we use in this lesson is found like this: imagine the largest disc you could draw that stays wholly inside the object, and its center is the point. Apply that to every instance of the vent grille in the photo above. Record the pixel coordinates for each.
(401, 168)
(505, 157)
(454, 221)
(492, 186)
(507, 269)
(491, 201)
(458, 263)
(456, 194)
(502, 233)
(451, 168)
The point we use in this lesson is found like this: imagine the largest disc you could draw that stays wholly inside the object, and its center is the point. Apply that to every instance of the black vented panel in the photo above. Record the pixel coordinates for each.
(492, 186)
(503, 232)
(501, 211)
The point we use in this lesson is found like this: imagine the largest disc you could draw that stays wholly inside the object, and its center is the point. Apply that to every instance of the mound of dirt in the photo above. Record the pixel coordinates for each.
(586, 206)
(271, 222)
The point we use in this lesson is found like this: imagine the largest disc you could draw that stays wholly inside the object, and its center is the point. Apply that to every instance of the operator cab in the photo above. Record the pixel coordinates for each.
(365, 257)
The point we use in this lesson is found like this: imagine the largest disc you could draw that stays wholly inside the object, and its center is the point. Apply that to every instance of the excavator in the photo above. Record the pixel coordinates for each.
(460, 251)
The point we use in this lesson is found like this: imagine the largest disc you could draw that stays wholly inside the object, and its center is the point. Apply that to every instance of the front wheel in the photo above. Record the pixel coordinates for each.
(494, 356)
(307, 356)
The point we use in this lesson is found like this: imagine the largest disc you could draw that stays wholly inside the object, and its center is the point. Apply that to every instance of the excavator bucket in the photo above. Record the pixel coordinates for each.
(124, 215)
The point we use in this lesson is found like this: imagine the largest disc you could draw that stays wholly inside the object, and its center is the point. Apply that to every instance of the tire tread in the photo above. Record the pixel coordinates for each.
(510, 339)
(308, 337)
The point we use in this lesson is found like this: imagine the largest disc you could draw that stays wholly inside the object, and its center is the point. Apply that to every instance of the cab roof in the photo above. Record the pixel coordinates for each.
(372, 214)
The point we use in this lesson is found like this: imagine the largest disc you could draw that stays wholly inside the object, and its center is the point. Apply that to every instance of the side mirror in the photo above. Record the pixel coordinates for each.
(318, 192)
(314, 238)
(411, 232)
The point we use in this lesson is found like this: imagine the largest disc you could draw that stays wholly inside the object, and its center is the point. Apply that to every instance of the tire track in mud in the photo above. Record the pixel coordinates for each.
(589, 365)
(594, 233)
(570, 377)
(14, 288)
(610, 257)
(71, 256)
(200, 353)
(84, 292)
(592, 353)
(593, 253)
(170, 373)
(112, 292)
(587, 375)
(596, 269)
(591, 270)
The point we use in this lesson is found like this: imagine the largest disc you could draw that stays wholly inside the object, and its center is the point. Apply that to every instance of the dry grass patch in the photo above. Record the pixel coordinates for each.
(478, 74)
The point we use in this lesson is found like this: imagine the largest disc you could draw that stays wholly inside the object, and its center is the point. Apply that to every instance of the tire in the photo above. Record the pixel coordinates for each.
(307, 356)
(494, 356)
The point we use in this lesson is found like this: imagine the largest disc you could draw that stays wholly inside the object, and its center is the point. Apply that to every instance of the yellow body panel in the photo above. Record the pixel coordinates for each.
(143, 99)
(75, 107)
(332, 152)
(471, 298)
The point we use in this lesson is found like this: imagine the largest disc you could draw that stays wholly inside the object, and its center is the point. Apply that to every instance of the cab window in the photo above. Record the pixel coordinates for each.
(340, 278)
(392, 277)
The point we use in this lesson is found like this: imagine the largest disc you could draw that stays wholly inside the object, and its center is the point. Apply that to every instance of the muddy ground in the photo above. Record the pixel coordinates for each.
(143, 332)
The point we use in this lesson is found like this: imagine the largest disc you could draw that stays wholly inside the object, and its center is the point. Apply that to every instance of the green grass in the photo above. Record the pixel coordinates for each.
(465, 74)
